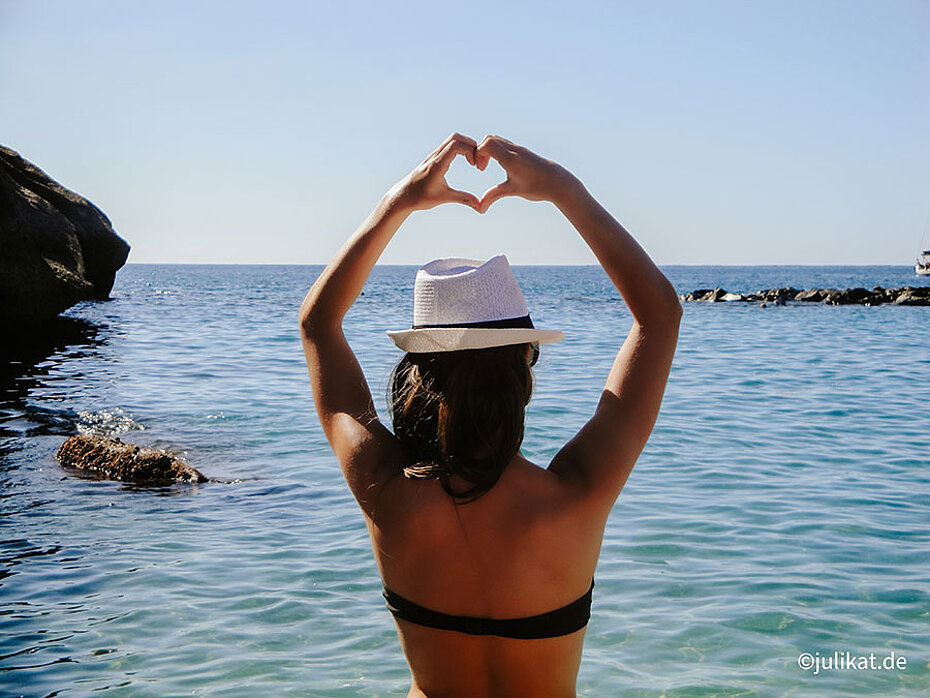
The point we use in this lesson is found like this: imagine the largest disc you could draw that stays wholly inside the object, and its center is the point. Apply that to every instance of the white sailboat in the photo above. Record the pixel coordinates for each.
(922, 268)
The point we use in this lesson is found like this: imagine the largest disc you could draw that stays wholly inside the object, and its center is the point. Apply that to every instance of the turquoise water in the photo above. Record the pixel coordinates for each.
(780, 507)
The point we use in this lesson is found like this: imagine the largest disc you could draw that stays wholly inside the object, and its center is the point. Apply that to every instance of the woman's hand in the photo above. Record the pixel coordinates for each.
(426, 186)
(528, 175)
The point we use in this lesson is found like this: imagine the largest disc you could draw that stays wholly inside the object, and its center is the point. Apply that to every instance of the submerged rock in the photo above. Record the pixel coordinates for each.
(58, 248)
(111, 459)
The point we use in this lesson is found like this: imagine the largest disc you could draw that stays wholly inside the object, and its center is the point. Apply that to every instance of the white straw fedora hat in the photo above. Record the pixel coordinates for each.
(468, 304)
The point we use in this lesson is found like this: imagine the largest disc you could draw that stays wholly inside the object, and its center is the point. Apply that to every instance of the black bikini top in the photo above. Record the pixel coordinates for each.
(561, 621)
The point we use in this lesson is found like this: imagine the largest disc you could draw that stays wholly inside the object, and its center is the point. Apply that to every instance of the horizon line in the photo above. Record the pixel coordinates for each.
(417, 264)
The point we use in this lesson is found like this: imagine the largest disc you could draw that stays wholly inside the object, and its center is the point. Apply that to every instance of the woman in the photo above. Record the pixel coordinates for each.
(487, 559)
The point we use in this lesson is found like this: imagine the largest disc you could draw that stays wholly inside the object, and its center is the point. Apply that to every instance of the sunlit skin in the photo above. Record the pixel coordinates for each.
(530, 544)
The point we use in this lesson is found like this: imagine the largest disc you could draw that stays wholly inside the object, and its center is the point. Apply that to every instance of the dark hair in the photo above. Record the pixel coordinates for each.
(461, 413)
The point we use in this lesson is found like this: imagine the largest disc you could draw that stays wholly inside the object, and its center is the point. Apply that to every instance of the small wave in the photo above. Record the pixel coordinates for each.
(108, 422)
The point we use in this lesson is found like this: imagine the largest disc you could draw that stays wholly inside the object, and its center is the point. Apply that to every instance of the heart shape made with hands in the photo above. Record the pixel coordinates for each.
(464, 176)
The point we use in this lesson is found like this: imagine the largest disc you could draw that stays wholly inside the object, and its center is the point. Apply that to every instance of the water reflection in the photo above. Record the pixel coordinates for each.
(24, 362)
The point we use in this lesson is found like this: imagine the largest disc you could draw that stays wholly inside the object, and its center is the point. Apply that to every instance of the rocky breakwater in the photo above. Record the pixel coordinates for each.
(58, 248)
(906, 295)
(111, 459)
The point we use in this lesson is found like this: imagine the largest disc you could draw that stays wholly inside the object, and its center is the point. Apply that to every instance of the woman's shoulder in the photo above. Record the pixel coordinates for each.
(524, 494)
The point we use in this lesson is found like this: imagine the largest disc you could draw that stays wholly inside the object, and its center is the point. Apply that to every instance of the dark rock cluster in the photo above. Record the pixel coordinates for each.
(906, 295)
(111, 459)
(58, 248)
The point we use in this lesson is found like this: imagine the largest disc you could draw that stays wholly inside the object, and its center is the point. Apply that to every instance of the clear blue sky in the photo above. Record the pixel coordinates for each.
(719, 132)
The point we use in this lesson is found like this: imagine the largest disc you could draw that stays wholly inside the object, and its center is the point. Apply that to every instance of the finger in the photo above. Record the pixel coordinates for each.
(467, 140)
(450, 139)
(492, 147)
(452, 149)
(463, 197)
(454, 196)
(505, 188)
(503, 141)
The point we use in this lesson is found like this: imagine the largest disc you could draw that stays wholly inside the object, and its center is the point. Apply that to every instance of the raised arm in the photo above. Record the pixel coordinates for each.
(598, 460)
(363, 446)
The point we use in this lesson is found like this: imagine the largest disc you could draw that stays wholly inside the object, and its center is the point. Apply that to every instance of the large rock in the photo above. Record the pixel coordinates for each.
(57, 247)
(111, 459)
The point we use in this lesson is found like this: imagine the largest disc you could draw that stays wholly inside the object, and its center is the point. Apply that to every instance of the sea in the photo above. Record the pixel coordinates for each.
(773, 539)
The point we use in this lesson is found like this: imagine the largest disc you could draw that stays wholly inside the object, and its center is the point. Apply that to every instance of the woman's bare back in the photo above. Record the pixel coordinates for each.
(522, 549)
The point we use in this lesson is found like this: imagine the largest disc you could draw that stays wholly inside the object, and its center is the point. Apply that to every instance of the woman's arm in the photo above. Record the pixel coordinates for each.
(363, 446)
(598, 460)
